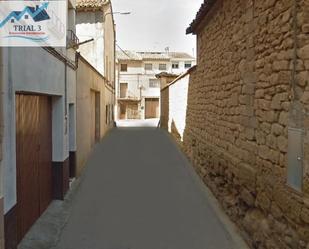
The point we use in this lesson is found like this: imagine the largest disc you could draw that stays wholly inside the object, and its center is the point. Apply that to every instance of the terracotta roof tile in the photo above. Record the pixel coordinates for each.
(90, 4)
(205, 7)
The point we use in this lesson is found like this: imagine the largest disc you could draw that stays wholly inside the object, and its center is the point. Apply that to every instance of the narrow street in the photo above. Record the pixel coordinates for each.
(139, 194)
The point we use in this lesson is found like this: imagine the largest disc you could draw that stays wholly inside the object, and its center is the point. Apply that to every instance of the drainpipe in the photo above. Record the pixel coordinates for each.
(296, 115)
(294, 34)
(66, 98)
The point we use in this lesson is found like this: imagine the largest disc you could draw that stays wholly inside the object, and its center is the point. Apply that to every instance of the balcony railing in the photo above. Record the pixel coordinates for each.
(72, 40)
(128, 96)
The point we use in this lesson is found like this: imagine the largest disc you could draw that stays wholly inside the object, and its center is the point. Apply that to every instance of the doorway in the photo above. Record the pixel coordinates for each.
(33, 159)
(151, 108)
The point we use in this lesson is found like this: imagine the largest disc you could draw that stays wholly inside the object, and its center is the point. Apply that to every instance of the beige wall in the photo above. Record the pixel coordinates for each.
(89, 81)
(109, 45)
(249, 88)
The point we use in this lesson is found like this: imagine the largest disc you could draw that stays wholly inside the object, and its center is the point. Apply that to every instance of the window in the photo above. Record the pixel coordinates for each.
(26, 17)
(175, 65)
(154, 83)
(148, 66)
(162, 67)
(188, 64)
(123, 90)
(124, 67)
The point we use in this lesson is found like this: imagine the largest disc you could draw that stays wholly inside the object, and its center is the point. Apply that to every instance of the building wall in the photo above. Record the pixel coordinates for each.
(89, 25)
(174, 99)
(178, 95)
(109, 45)
(138, 81)
(32, 77)
(249, 88)
(89, 80)
(43, 73)
(182, 69)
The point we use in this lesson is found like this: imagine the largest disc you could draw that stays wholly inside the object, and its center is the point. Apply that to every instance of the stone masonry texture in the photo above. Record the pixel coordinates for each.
(249, 87)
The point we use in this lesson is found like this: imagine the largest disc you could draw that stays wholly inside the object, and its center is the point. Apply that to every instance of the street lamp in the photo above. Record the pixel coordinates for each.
(116, 13)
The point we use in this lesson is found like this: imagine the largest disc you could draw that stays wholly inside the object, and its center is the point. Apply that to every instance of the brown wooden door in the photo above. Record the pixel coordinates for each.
(123, 111)
(132, 111)
(45, 153)
(97, 117)
(33, 159)
(92, 118)
(151, 108)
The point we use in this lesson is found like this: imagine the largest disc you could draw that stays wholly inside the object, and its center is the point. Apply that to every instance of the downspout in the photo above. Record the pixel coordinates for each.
(296, 115)
(295, 45)
(66, 98)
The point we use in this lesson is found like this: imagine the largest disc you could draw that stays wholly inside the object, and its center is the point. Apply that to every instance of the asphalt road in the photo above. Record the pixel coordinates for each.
(138, 192)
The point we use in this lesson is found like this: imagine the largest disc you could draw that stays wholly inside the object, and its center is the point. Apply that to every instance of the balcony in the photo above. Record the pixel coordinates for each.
(72, 40)
(128, 96)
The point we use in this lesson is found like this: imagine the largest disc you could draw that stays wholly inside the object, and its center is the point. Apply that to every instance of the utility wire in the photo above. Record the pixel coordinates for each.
(124, 52)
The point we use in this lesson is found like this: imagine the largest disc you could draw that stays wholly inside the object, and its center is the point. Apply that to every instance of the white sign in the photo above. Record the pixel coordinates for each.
(33, 23)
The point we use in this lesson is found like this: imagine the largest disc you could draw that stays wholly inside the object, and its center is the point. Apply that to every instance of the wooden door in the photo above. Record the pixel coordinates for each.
(132, 111)
(92, 118)
(123, 110)
(151, 108)
(97, 117)
(45, 152)
(33, 159)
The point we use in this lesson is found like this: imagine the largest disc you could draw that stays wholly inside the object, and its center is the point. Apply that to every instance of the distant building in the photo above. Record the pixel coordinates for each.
(138, 89)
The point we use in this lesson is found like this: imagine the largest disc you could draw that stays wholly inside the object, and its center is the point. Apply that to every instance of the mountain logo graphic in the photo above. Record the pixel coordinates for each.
(37, 14)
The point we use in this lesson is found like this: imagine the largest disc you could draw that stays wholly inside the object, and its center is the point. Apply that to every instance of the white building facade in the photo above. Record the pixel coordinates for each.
(138, 89)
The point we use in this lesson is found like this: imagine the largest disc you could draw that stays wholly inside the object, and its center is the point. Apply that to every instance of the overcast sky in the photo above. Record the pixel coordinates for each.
(155, 25)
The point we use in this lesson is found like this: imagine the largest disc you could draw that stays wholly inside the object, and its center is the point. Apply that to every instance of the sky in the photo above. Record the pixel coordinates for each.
(155, 25)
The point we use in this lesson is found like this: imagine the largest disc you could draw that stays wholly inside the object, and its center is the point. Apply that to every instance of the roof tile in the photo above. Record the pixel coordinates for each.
(89, 4)
(204, 9)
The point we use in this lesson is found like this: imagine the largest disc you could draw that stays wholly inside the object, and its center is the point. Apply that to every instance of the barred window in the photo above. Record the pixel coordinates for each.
(154, 83)
(162, 67)
(148, 66)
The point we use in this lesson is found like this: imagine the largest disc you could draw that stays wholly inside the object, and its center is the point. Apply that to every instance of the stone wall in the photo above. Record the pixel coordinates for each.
(249, 88)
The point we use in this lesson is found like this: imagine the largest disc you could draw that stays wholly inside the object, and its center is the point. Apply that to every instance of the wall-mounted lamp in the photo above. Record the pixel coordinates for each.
(116, 13)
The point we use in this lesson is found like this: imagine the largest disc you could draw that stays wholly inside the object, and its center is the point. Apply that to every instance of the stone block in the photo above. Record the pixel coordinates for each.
(281, 65)
(303, 53)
